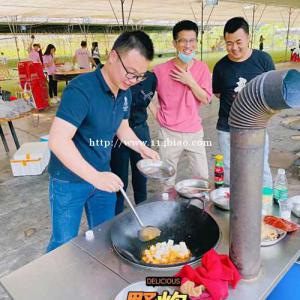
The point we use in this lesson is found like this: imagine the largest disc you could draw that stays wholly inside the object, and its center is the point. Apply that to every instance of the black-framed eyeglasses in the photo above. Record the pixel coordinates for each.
(185, 41)
(130, 75)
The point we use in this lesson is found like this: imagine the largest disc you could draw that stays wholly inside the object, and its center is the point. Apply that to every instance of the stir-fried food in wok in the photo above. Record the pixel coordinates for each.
(166, 253)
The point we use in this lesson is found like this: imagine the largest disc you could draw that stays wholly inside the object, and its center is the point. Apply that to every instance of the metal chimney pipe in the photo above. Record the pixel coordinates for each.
(259, 100)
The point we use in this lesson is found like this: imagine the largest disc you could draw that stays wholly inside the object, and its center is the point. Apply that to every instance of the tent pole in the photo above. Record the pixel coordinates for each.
(253, 25)
(129, 13)
(18, 50)
(115, 14)
(13, 31)
(123, 17)
(288, 33)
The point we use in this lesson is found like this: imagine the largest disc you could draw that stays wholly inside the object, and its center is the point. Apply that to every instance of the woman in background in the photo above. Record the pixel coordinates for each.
(49, 63)
(261, 43)
(96, 53)
(40, 52)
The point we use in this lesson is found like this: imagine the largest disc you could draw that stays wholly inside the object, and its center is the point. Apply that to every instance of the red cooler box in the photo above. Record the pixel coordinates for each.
(32, 74)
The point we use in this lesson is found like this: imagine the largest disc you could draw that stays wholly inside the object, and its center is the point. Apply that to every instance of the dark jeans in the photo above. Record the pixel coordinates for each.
(67, 201)
(120, 157)
(52, 87)
(261, 46)
(97, 61)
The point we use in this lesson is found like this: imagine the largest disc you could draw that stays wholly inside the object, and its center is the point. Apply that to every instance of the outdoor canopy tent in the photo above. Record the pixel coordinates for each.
(158, 12)
(154, 12)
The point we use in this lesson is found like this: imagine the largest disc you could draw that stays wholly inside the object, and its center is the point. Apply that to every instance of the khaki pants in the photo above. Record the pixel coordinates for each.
(172, 144)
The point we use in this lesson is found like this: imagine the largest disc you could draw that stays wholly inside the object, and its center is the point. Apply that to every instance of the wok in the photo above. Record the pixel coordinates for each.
(179, 220)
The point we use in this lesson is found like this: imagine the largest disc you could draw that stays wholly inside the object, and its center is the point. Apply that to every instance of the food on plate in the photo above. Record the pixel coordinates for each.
(189, 288)
(268, 232)
(281, 223)
(166, 253)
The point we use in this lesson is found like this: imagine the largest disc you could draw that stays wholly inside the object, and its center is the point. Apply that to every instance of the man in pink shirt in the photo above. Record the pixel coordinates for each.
(184, 84)
(83, 57)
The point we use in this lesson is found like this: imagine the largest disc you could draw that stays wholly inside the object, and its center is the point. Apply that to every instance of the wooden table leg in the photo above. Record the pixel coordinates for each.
(4, 139)
(12, 130)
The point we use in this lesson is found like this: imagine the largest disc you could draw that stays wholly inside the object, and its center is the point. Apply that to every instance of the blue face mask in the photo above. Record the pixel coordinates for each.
(186, 58)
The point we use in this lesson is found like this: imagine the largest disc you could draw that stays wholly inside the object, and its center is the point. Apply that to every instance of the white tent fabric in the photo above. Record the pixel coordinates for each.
(145, 12)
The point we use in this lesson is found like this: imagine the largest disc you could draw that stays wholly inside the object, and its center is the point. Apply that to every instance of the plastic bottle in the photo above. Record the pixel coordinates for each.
(280, 187)
(267, 201)
(219, 171)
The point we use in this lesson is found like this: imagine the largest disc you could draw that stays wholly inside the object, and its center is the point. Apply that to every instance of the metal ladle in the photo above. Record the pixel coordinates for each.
(146, 233)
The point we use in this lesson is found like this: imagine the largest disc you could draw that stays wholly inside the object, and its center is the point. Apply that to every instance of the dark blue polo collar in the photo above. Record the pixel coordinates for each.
(104, 85)
(102, 81)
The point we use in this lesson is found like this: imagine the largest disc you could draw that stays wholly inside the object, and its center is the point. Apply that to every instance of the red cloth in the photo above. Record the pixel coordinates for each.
(215, 273)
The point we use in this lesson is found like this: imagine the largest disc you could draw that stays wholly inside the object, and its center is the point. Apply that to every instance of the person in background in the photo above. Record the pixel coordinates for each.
(230, 75)
(298, 49)
(49, 63)
(3, 59)
(34, 52)
(96, 54)
(40, 53)
(83, 57)
(142, 94)
(94, 108)
(261, 43)
(184, 85)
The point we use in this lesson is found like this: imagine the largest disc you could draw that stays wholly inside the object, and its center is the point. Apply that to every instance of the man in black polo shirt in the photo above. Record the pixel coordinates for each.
(142, 93)
(94, 108)
(230, 75)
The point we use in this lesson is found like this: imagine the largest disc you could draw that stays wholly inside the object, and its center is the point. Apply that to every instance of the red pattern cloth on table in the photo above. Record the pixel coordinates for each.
(216, 273)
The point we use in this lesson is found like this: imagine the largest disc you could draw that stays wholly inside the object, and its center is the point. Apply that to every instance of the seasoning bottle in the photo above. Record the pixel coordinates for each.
(219, 171)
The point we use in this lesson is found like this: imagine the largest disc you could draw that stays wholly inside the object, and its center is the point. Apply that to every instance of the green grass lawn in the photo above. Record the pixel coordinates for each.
(209, 58)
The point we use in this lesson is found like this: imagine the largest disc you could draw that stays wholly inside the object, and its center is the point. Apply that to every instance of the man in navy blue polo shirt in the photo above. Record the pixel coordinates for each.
(94, 108)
